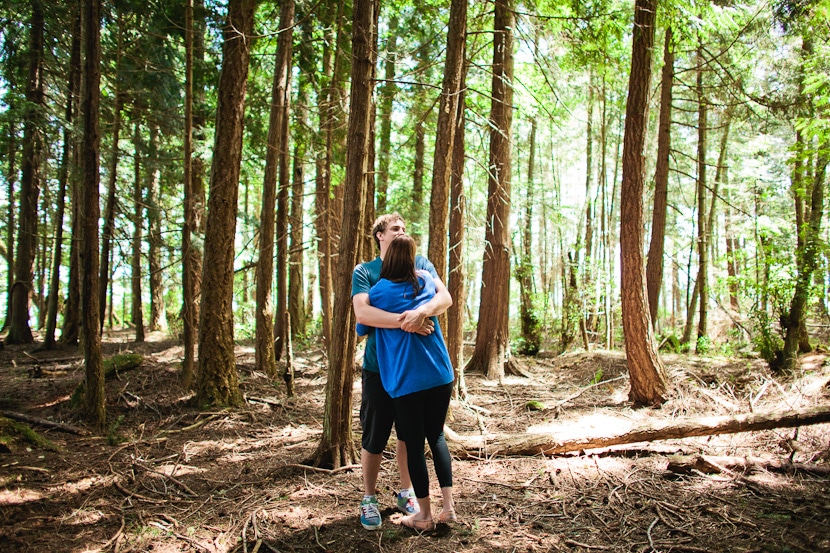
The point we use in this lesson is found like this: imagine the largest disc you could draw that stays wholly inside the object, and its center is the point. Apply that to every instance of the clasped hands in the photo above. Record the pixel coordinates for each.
(415, 321)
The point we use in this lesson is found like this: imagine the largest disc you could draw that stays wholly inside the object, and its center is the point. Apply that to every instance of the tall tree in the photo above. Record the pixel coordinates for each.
(647, 374)
(216, 378)
(30, 182)
(456, 284)
(158, 316)
(285, 55)
(492, 350)
(703, 230)
(656, 249)
(94, 396)
(136, 308)
(529, 321)
(280, 90)
(336, 446)
(189, 261)
(387, 97)
(445, 138)
(67, 155)
(112, 177)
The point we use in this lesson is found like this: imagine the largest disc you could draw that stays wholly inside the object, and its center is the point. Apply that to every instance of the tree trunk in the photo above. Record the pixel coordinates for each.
(492, 349)
(417, 194)
(11, 179)
(702, 230)
(648, 376)
(94, 394)
(73, 88)
(109, 213)
(807, 261)
(456, 284)
(535, 444)
(336, 447)
(530, 325)
(137, 309)
(216, 377)
(284, 54)
(387, 97)
(30, 182)
(265, 347)
(188, 311)
(656, 249)
(158, 317)
(296, 304)
(324, 206)
(445, 139)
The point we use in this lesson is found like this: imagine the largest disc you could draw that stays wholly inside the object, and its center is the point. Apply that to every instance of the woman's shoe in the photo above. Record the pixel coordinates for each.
(447, 516)
(418, 525)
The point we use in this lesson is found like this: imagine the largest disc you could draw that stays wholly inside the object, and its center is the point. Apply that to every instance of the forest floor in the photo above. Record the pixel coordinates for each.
(170, 478)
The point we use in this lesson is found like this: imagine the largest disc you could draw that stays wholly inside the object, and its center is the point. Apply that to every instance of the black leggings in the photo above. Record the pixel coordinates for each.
(421, 415)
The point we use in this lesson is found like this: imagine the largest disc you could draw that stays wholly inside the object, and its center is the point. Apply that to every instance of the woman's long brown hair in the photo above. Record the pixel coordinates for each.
(399, 262)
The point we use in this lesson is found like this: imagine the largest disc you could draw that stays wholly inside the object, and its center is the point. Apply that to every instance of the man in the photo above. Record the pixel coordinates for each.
(377, 411)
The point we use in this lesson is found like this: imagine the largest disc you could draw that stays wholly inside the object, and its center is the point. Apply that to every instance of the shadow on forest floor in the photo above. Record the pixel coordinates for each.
(172, 478)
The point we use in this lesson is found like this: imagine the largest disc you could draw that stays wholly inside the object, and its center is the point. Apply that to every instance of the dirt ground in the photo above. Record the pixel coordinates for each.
(170, 478)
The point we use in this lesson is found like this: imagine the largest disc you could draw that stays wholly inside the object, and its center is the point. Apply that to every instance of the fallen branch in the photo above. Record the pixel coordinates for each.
(534, 444)
(707, 464)
(45, 422)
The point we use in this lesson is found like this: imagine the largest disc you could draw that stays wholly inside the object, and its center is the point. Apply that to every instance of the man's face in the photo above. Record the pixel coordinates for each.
(393, 230)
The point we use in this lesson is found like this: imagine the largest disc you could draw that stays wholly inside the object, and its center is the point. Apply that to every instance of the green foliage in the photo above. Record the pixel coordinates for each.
(703, 345)
(597, 377)
(670, 343)
(534, 405)
(766, 339)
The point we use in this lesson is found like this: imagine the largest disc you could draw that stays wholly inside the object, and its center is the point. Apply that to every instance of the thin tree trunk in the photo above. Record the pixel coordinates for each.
(647, 374)
(21, 291)
(336, 447)
(216, 376)
(158, 317)
(387, 97)
(73, 89)
(109, 213)
(530, 326)
(456, 284)
(94, 395)
(296, 304)
(266, 356)
(189, 322)
(656, 249)
(285, 55)
(137, 310)
(702, 230)
(492, 350)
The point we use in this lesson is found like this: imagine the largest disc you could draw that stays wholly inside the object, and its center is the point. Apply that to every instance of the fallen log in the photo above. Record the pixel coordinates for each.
(534, 444)
(709, 464)
(22, 417)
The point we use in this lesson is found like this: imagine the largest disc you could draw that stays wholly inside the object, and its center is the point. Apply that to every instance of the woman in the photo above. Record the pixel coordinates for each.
(416, 372)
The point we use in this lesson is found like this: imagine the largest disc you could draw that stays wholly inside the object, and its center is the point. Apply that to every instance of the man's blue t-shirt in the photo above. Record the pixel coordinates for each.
(366, 275)
(409, 362)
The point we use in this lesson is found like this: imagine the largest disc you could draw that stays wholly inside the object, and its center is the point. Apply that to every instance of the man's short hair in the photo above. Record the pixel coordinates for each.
(382, 222)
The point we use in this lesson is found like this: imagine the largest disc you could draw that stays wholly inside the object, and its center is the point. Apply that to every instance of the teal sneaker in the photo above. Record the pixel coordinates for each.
(407, 504)
(370, 514)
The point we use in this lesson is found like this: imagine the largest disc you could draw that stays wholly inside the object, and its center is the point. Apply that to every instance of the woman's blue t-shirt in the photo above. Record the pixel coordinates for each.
(408, 361)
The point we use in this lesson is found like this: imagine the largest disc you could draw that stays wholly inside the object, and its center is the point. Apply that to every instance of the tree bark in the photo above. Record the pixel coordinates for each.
(336, 447)
(266, 356)
(535, 444)
(492, 350)
(285, 55)
(445, 138)
(158, 317)
(529, 320)
(74, 85)
(702, 227)
(387, 97)
(189, 309)
(216, 377)
(109, 213)
(30, 183)
(296, 290)
(648, 376)
(137, 309)
(94, 395)
(656, 249)
(456, 284)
